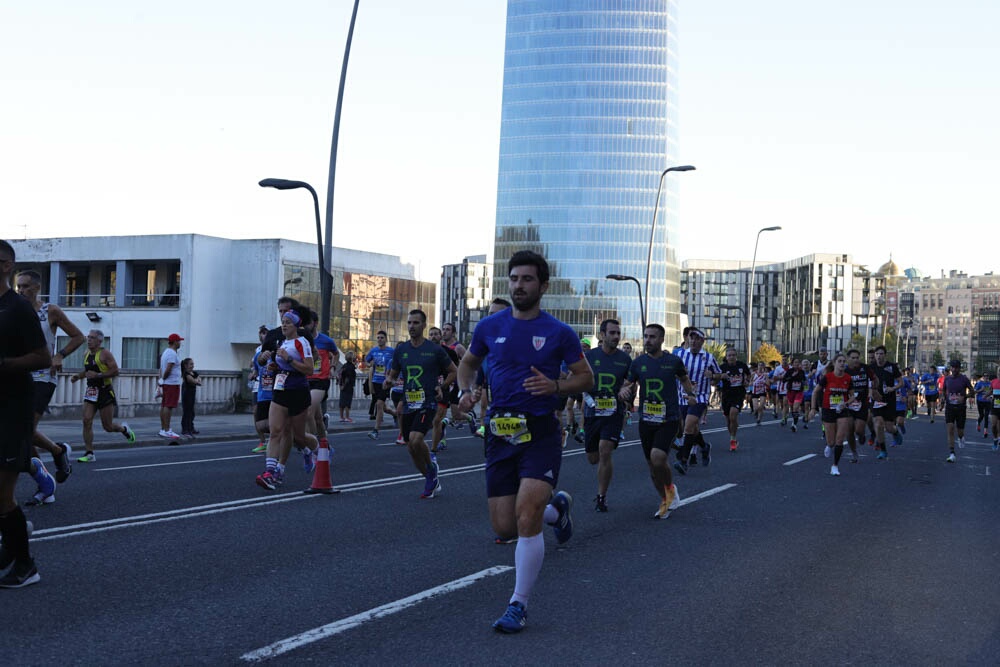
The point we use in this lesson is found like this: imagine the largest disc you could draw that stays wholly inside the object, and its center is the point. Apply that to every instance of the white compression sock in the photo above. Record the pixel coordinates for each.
(528, 557)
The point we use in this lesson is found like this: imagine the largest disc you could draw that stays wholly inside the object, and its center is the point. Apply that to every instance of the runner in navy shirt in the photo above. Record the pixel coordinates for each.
(524, 347)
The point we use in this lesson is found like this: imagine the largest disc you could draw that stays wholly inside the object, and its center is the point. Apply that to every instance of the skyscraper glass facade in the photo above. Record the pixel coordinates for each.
(587, 127)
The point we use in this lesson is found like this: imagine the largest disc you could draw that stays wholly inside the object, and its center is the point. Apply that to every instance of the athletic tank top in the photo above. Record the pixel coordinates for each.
(92, 362)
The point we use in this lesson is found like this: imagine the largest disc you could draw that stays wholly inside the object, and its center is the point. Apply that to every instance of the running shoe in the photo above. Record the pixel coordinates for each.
(996, 445)
(308, 460)
(373, 434)
(693, 460)
(664, 510)
(63, 467)
(978, 427)
(854, 458)
(169, 434)
(897, 439)
(259, 449)
(951, 458)
(758, 421)
(794, 428)
(621, 436)
(601, 503)
(432, 486)
(784, 421)
(481, 433)
(40, 499)
(504, 540)
(513, 619)
(805, 426)
(443, 445)
(347, 420)
(446, 422)
(279, 477)
(706, 454)
(961, 442)
(579, 436)
(326, 420)
(46, 482)
(88, 457)
(674, 496)
(827, 451)
(733, 445)
(128, 433)
(20, 575)
(681, 467)
(986, 433)
(871, 441)
(835, 471)
(881, 455)
(669, 501)
(266, 480)
(563, 527)
(399, 439)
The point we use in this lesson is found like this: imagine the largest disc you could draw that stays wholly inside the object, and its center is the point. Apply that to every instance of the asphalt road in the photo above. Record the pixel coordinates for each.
(173, 556)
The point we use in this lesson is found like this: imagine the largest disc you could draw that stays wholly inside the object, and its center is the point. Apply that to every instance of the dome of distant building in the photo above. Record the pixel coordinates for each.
(890, 268)
(913, 273)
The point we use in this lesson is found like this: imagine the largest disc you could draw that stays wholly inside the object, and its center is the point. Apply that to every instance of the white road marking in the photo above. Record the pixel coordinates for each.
(799, 460)
(704, 494)
(344, 624)
(178, 463)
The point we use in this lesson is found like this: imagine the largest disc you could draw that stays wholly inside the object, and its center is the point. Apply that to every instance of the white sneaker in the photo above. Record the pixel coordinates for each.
(834, 470)
(168, 434)
(951, 458)
(827, 451)
(961, 442)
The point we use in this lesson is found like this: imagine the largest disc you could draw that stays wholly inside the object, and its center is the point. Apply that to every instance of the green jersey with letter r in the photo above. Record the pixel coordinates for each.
(420, 367)
(609, 376)
(657, 378)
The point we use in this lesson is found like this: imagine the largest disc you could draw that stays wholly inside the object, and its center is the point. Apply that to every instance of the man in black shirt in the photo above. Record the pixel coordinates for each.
(22, 350)
(735, 378)
(888, 379)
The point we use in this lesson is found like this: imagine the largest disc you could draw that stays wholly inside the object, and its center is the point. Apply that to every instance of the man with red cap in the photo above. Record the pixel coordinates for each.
(170, 381)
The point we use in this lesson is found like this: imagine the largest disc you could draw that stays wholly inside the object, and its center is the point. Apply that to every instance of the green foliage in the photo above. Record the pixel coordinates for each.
(718, 350)
(937, 359)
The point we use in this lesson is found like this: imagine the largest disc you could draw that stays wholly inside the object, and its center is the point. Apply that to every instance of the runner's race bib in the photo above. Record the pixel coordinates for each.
(996, 400)
(379, 370)
(655, 413)
(511, 427)
(415, 399)
(836, 402)
(279, 381)
(956, 399)
(91, 394)
(605, 407)
(267, 382)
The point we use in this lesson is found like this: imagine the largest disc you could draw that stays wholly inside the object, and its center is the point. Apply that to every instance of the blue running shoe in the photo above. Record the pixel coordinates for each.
(881, 455)
(513, 619)
(308, 460)
(681, 467)
(473, 422)
(45, 493)
(563, 527)
(432, 486)
(897, 438)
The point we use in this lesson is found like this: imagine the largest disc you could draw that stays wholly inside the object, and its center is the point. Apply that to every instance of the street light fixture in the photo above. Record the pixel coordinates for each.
(652, 231)
(750, 290)
(325, 280)
(638, 287)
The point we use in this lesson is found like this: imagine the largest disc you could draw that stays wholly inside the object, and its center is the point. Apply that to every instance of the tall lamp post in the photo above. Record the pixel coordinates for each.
(325, 282)
(750, 290)
(638, 287)
(652, 231)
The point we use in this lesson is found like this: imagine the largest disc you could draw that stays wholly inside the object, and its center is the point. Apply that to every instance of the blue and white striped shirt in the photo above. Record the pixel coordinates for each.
(698, 366)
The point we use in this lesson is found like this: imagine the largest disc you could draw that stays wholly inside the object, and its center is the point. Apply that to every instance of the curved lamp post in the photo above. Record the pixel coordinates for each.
(324, 273)
(652, 231)
(750, 290)
(638, 287)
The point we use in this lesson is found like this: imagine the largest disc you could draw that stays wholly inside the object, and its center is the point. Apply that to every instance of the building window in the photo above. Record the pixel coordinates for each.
(76, 287)
(109, 283)
(143, 285)
(141, 353)
(75, 360)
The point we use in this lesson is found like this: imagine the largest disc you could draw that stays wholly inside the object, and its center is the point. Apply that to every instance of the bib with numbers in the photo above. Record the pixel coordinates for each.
(90, 394)
(836, 402)
(655, 413)
(956, 399)
(511, 427)
(415, 399)
(996, 399)
(279, 381)
(380, 370)
(605, 407)
(267, 382)
(878, 404)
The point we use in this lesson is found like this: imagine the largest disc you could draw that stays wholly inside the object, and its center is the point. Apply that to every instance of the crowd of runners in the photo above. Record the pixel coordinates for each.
(536, 383)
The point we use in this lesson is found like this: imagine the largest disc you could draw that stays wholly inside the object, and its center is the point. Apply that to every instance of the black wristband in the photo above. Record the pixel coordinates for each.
(62, 353)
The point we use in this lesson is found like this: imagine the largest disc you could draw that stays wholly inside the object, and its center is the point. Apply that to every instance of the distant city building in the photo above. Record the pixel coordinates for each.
(466, 294)
(215, 293)
(799, 305)
(588, 123)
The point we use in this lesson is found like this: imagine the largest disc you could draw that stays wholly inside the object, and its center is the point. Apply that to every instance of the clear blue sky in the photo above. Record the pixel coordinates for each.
(859, 127)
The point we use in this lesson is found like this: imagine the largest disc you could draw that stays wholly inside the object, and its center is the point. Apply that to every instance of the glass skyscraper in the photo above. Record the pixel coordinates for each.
(588, 125)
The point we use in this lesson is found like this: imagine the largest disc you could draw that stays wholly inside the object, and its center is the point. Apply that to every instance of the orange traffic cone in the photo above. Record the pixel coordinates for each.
(321, 476)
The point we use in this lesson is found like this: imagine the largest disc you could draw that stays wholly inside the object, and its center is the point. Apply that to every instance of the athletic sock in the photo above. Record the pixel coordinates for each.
(270, 465)
(838, 451)
(528, 556)
(14, 529)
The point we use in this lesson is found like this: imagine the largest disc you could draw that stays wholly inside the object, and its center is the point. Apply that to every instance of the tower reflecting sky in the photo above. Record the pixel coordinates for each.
(587, 127)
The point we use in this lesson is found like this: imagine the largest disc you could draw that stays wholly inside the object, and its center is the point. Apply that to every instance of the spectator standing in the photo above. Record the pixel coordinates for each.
(348, 376)
(191, 380)
(170, 379)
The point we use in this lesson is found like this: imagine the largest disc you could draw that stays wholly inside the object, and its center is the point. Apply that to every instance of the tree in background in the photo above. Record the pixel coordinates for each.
(937, 359)
(717, 350)
(766, 353)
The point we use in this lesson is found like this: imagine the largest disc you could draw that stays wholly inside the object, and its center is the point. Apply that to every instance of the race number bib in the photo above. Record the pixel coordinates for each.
(512, 428)
(655, 413)
(415, 399)
(267, 382)
(605, 407)
(996, 400)
(90, 394)
(878, 404)
(279, 381)
(956, 399)
(380, 370)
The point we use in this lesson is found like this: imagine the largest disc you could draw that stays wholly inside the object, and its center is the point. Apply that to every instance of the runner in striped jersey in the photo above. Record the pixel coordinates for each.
(702, 369)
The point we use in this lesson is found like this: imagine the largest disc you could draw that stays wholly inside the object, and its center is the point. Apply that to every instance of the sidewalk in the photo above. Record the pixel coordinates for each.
(214, 427)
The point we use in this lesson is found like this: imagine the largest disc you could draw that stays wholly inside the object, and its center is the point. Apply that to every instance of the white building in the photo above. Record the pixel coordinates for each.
(215, 293)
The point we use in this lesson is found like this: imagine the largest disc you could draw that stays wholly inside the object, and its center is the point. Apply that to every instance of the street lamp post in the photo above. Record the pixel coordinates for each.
(750, 289)
(638, 287)
(652, 231)
(325, 281)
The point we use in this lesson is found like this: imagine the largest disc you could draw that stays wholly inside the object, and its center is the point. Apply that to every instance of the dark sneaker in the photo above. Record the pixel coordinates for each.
(20, 575)
(373, 434)
(706, 454)
(601, 504)
(128, 433)
(432, 486)
(680, 467)
(563, 527)
(63, 467)
(513, 619)
(473, 422)
(693, 460)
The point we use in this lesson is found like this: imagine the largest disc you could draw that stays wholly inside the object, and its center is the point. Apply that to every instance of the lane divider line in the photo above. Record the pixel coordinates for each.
(178, 463)
(330, 629)
(799, 460)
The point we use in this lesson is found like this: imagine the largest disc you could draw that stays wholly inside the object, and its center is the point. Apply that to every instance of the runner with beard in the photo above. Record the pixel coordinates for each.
(735, 379)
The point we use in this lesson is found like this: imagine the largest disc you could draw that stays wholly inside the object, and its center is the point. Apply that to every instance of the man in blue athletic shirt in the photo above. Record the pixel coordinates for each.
(524, 347)
(378, 359)
(421, 362)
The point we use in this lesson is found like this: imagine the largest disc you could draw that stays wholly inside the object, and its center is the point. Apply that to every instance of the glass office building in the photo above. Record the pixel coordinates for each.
(587, 127)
